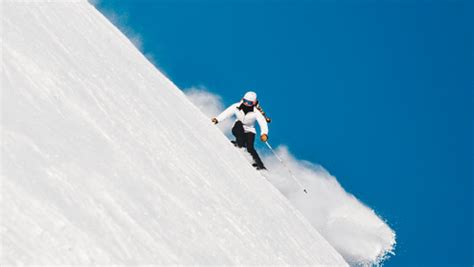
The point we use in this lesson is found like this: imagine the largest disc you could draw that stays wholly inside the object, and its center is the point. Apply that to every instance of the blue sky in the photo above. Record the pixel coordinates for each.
(380, 93)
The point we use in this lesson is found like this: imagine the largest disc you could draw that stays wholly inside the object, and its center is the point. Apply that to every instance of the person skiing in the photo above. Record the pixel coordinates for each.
(244, 131)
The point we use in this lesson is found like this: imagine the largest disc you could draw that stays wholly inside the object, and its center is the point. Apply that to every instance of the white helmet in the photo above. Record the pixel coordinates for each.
(251, 96)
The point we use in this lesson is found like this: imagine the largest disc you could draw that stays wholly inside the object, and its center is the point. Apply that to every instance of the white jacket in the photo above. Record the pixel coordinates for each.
(248, 120)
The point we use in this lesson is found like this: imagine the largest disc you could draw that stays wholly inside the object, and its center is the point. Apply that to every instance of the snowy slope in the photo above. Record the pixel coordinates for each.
(105, 161)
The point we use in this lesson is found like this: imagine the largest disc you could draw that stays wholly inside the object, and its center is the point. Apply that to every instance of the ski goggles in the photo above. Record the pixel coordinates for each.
(248, 103)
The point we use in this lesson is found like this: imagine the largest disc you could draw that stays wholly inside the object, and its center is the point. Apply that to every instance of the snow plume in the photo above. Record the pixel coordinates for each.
(352, 228)
(210, 104)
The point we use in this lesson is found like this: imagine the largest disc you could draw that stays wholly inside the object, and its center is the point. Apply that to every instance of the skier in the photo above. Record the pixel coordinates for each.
(244, 131)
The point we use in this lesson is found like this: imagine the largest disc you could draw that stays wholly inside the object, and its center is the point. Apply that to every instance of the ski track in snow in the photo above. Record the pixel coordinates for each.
(352, 228)
(105, 161)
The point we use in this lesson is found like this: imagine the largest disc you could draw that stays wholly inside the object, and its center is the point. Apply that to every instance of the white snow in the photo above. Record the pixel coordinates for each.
(352, 228)
(105, 161)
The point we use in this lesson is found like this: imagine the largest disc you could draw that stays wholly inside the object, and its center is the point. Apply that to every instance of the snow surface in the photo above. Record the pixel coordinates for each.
(356, 232)
(105, 161)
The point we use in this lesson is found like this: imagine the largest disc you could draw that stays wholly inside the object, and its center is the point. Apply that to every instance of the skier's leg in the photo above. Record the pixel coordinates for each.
(249, 140)
(238, 132)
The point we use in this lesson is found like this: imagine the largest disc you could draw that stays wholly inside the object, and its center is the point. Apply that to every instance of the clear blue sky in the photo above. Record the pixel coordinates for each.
(380, 93)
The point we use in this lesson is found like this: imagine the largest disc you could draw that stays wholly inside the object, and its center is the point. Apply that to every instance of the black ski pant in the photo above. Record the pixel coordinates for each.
(246, 139)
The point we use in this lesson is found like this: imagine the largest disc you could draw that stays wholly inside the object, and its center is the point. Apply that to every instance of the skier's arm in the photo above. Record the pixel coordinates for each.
(262, 123)
(227, 113)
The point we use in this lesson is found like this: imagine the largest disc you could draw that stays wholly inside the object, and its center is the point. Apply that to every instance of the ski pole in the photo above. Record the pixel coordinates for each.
(289, 170)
